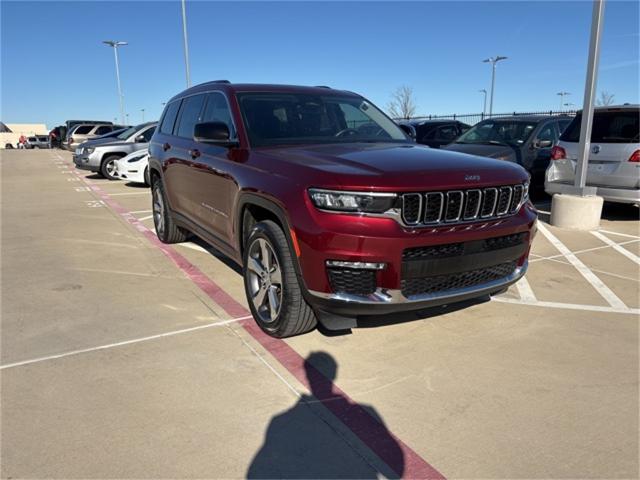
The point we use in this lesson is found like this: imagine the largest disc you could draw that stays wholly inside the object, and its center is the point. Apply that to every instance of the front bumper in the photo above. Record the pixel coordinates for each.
(609, 194)
(398, 286)
(86, 161)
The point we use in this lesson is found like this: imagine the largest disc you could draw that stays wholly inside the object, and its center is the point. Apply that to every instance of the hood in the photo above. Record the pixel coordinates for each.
(100, 141)
(501, 152)
(388, 166)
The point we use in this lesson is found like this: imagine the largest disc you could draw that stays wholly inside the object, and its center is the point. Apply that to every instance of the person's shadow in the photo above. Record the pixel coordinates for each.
(301, 443)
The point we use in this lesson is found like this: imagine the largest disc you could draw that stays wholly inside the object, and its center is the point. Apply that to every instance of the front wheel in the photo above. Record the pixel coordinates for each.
(108, 167)
(271, 284)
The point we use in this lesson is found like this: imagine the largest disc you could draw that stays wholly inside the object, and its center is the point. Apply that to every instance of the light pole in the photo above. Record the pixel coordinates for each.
(127, 116)
(493, 61)
(484, 103)
(142, 110)
(186, 42)
(115, 45)
(562, 95)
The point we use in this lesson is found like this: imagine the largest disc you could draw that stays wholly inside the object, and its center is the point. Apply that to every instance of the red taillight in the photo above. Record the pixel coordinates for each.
(635, 156)
(558, 153)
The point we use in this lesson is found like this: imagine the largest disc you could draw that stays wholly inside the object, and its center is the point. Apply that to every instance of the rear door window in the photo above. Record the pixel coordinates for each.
(169, 119)
(608, 127)
(189, 115)
(103, 129)
(83, 130)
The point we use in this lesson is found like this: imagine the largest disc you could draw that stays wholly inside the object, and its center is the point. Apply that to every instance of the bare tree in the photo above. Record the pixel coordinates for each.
(605, 98)
(402, 104)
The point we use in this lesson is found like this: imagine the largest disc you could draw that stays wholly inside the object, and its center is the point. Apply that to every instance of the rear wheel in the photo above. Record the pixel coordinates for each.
(166, 229)
(108, 167)
(147, 180)
(271, 284)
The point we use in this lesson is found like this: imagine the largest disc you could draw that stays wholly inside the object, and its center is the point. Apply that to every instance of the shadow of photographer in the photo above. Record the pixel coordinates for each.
(300, 444)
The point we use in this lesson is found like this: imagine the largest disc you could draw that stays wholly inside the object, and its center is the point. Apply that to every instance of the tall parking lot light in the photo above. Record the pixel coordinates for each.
(484, 103)
(580, 208)
(186, 43)
(562, 95)
(115, 45)
(493, 61)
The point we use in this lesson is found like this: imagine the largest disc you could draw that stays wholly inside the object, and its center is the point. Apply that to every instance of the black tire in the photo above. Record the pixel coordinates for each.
(166, 229)
(107, 166)
(147, 180)
(294, 315)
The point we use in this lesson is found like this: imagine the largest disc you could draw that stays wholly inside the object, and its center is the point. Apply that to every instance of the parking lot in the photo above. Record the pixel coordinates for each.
(125, 357)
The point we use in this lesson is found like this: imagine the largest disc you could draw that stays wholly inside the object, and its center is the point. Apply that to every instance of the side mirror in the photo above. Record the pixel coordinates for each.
(409, 130)
(216, 133)
(542, 143)
(141, 139)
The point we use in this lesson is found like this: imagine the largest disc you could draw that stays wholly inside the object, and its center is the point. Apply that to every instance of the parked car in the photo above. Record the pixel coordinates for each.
(437, 133)
(327, 221)
(87, 131)
(134, 167)
(37, 141)
(100, 155)
(614, 157)
(525, 140)
(69, 124)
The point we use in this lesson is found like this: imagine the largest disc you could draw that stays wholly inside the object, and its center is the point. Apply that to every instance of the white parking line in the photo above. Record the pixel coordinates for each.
(120, 344)
(130, 193)
(146, 218)
(525, 291)
(577, 252)
(141, 211)
(617, 247)
(621, 234)
(611, 298)
(568, 306)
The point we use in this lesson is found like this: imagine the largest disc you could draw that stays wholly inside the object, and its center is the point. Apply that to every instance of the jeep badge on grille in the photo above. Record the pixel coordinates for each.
(472, 178)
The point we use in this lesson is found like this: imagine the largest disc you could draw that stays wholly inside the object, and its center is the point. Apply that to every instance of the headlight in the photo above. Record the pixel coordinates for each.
(135, 159)
(78, 151)
(365, 202)
(89, 150)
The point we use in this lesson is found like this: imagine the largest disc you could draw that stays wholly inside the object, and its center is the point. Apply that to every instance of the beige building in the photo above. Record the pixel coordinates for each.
(17, 129)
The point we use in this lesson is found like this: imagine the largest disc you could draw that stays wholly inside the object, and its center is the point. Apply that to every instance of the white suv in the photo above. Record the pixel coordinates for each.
(614, 158)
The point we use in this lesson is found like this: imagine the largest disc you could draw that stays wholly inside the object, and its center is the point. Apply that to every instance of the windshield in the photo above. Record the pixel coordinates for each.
(127, 133)
(290, 118)
(492, 132)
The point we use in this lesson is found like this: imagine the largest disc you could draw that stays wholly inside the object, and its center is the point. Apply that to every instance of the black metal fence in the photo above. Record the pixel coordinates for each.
(473, 118)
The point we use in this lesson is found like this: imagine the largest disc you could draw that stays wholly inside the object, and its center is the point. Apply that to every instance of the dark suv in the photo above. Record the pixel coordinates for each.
(330, 209)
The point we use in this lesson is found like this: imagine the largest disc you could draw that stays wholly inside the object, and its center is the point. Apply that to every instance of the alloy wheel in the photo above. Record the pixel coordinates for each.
(265, 280)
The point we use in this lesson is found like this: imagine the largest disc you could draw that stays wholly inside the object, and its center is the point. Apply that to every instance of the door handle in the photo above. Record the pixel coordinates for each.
(195, 153)
(166, 147)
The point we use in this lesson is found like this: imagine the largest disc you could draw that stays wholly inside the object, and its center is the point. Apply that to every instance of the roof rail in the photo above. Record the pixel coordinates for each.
(323, 86)
(220, 81)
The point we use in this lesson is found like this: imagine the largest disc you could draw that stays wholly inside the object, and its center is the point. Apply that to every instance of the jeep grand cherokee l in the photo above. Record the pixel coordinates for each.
(330, 209)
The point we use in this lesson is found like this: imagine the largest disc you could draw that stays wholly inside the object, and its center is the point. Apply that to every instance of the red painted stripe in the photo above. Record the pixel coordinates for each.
(371, 432)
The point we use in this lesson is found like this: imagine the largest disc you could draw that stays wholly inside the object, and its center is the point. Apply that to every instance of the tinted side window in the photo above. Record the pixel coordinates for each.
(608, 127)
(83, 130)
(189, 115)
(147, 134)
(217, 110)
(102, 130)
(169, 118)
(547, 132)
(447, 133)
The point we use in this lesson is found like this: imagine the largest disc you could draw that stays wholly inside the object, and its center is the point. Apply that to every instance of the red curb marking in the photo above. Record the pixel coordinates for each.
(371, 432)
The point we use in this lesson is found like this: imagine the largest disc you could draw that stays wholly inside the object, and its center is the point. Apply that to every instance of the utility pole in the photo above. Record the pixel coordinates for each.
(186, 43)
(484, 103)
(493, 61)
(115, 44)
(562, 95)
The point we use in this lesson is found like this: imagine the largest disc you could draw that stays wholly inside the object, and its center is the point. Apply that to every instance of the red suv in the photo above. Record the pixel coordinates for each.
(330, 208)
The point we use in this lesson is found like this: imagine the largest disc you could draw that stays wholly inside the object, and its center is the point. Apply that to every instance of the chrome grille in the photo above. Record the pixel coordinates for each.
(453, 206)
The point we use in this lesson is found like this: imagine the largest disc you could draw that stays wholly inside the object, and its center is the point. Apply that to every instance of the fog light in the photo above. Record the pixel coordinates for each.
(356, 265)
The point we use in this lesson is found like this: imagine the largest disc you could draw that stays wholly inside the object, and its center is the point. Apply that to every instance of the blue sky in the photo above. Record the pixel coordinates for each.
(54, 66)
